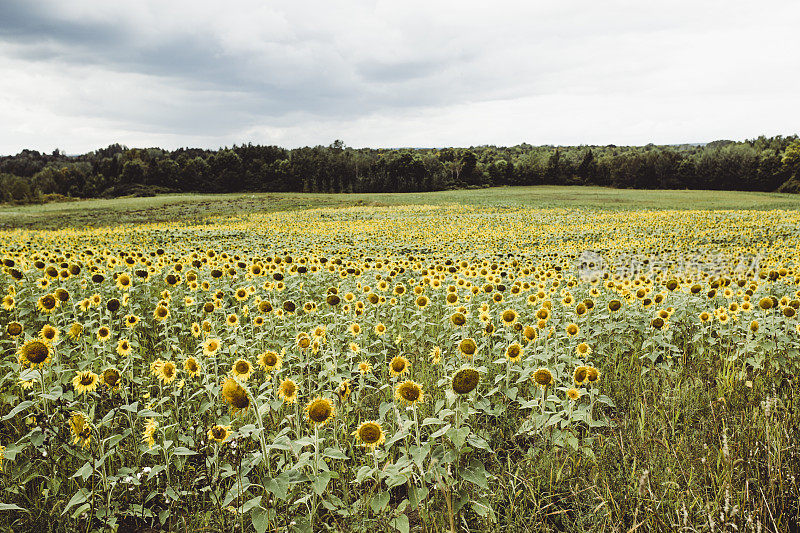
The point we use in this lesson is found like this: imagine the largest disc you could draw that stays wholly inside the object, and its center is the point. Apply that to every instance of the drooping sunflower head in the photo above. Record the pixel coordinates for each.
(399, 365)
(579, 375)
(543, 377)
(343, 390)
(219, 433)
(592, 375)
(465, 380)
(81, 428)
(242, 369)
(85, 381)
(529, 333)
(370, 434)
(754, 326)
(409, 392)
(35, 352)
(467, 347)
(191, 366)
(765, 303)
(235, 395)
(269, 360)
(75, 331)
(514, 352)
(319, 411)
(458, 319)
(287, 391)
(572, 329)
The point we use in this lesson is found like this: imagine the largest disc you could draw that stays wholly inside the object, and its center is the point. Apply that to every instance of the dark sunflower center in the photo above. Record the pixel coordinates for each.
(288, 389)
(398, 366)
(218, 432)
(270, 359)
(111, 377)
(37, 352)
(410, 393)
(319, 412)
(87, 379)
(14, 329)
(242, 367)
(48, 302)
(370, 434)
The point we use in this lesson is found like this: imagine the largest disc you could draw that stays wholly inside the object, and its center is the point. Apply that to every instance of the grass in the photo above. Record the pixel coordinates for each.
(197, 207)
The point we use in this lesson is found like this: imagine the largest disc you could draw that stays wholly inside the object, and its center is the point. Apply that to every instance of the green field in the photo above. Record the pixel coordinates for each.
(197, 207)
(509, 359)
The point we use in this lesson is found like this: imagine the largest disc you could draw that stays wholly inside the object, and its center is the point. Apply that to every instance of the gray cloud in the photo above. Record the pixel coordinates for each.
(384, 73)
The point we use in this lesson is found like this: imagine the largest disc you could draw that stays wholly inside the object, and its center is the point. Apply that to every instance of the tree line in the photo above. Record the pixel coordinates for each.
(761, 164)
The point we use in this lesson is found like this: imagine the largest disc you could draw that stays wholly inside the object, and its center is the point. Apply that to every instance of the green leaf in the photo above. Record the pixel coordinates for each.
(400, 523)
(79, 497)
(458, 436)
(180, 450)
(475, 473)
(18, 409)
(321, 483)
(11, 507)
(379, 502)
(334, 453)
(259, 518)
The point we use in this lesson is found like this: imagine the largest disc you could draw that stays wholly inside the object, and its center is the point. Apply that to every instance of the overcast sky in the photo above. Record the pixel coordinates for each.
(82, 74)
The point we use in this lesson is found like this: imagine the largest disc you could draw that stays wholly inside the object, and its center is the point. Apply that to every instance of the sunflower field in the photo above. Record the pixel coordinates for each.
(407, 368)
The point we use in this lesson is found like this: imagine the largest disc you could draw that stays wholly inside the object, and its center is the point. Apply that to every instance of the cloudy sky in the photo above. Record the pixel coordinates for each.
(83, 74)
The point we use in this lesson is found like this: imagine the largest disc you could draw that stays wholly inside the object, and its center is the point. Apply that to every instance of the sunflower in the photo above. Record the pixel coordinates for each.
(514, 353)
(49, 334)
(467, 347)
(167, 372)
(130, 321)
(364, 367)
(458, 319)
(543, 377)
(210, 346)
(409, 392)
(219, 433)
(583, 349)
(614, 305)
(235, 395)
(370, 434)
(765, 303)
(161, 313)
(81, 429)
(435, 355)
(47, 303)
(8, 302)
(399, 365)
(148, 436)
(343, 390)
(573, 394)
(572, 329)
(111, 378)
(155, 367)
(705, 316)
(465, 380)
(354, 329)
(529, 333)
(509, 316)
(592, 374)
(380, 329)
(579, 375)
(75, 330)
(124, 347)
(241, 369)
(270, 361)
(191, 366)
(287, 391)
(85, 381)
(754, 326)
(14, 329)
(303, 341)
(34, 353)
(319, 411)
(124, 282)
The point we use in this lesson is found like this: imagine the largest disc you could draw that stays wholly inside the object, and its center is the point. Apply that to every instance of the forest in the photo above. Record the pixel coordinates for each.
(761, 164)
